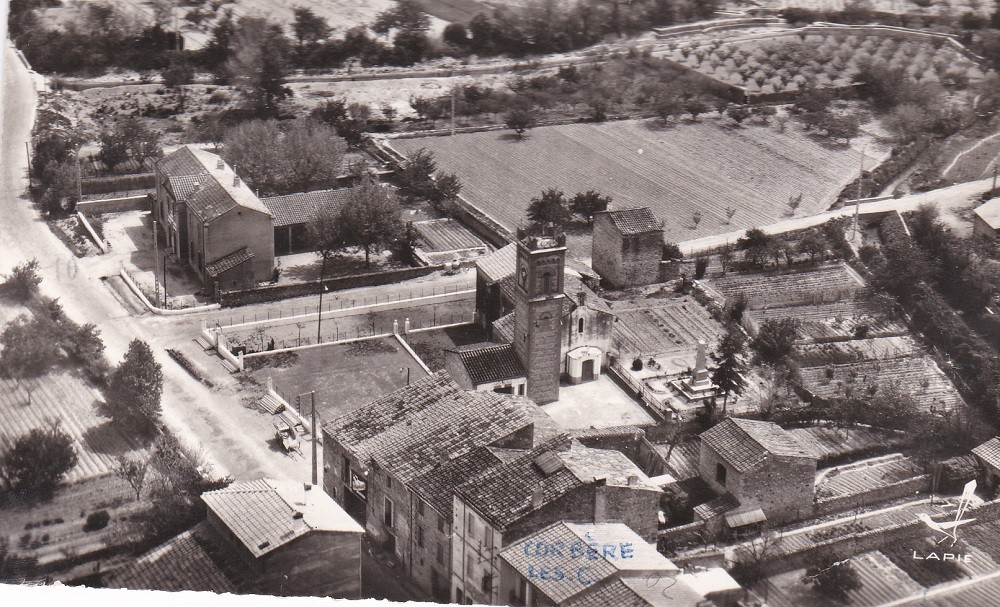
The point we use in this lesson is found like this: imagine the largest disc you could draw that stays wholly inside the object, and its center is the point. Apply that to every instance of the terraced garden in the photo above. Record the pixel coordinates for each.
(692, 167)
(831, 283)
(664, 328)
(786, 63)
(844, 352)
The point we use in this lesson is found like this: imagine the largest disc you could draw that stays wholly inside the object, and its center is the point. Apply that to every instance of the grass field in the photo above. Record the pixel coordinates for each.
(676, 171)
(345, 376)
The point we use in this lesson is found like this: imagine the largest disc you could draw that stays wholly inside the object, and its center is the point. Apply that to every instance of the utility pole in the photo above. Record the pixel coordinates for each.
(996, 165)
(452, 112)
(312, 413)
(166, 304)
(319, 313)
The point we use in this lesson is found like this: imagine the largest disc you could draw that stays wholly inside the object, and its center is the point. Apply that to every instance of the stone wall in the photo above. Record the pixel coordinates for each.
(907, 487)
(143, 202)
(625, 261)
(278, 292)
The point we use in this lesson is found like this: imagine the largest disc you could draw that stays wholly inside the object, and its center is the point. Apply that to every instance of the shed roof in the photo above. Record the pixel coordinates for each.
(228, 262)
(490, 362)
(989, 452)
(499, 264)
(741, 519)
(303, 207)
(633, 221)
(576, 539)
(503, 328)
(744, 444)
(445, 235)
(267, 514)
(990, 213)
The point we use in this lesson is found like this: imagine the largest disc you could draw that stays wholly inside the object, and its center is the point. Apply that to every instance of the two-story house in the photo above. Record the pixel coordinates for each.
(627, 247)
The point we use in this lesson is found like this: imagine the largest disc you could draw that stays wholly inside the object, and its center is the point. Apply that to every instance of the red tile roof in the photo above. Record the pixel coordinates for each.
(744, 444)
(445, 235)
(228, 262)
(436, 486)
(303, 207)
(267, 514)
(490, 362)
(499, 264)
(634, 221)
(181, 162)
(989, 452)
(575, 539)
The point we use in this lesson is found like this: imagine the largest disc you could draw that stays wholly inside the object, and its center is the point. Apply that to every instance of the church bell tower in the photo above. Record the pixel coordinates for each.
(538, 310)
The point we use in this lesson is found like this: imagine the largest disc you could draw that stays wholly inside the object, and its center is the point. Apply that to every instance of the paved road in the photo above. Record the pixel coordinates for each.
(232, 438)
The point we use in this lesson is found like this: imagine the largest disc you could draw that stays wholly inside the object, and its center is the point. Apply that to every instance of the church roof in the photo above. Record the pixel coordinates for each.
(490, 362)
(499, 264)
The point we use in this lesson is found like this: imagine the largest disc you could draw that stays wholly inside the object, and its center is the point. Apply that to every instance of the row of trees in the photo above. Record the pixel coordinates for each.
(553, 207)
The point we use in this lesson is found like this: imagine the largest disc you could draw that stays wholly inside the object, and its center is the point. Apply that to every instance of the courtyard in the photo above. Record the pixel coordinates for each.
(601, 403)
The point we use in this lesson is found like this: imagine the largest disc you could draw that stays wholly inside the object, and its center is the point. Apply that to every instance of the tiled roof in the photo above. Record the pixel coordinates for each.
(745, 444)
(228, 262)
(575, 540)
(181, 162)
(634, 221)
(183, 185)
(666, 591)
(742, 519)
(266, 514)
(490, 362)
(989, 452)
(683, 462)
(607, 432)
(440, 235)
(414, 429)
(612, 592)
(990, 213)
(503, 328)
(302, 208)
(716, 507)
(499, 264)
(195, 560)
(436, 486)
(503, 495)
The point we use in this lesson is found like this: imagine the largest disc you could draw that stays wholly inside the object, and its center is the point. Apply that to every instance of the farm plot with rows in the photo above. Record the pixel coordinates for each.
(701, 167)
(66, 399)
(919, 376)
(787, 63)
(855, 350)
(828, 322)
(665, 327)
(953, 8)
(830, 283)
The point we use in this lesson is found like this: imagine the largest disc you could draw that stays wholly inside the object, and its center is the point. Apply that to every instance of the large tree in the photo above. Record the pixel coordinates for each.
(258, 65)
(586, 204)
(33, 466)
(775, 339)
(23, 281)
(550, 207)
(177, 74)
(370, 218)
(132, 398)
(29, 348)
(727, 374)
(416, 175)
(310, 29)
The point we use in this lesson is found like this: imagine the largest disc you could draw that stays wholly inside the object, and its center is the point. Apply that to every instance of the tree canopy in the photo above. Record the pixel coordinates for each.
(132, 398)
(32, 467)
(370, 218)
(550, 207)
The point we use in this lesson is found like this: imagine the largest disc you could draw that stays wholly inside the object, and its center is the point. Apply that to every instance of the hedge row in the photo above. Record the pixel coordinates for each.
(118, 183)
(873, 182)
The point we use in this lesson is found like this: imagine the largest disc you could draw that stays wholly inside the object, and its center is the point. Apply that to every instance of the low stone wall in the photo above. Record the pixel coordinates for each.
(142, 202)
(245, 297)
(906, 487)
(118, 183)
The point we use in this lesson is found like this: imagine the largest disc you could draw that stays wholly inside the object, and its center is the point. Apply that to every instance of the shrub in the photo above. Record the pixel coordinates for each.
(97, 520)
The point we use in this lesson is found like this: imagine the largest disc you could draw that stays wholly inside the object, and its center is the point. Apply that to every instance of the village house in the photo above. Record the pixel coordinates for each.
(212, 221)
(988, 456)
(487, 366)
(560, 481)
(627, 247)
(376, 455)
(293, 213)
(575, 565)
(280, 538)
(986, 219)
(761, 472)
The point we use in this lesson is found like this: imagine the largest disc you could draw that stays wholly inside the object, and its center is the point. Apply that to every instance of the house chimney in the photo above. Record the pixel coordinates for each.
(536, 498)
(221, 164)
(236, 181)
(633, 480)
(600, 500)
(583, 298)
(298, 521)
(196, 187)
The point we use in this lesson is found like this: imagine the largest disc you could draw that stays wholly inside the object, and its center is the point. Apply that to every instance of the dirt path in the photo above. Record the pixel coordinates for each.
(214, 422)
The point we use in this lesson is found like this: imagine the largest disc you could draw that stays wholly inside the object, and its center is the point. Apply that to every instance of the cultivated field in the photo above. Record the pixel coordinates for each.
(900, 7)
(692, 167)
(855, 350)
(829, 283)
(664, 327)
(786, 63)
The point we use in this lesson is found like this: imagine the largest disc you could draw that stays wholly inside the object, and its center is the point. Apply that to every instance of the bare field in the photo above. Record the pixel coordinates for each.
(677, 171)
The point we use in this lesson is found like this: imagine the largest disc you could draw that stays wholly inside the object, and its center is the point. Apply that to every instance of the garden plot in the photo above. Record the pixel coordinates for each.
(952, 8)
(786, 63)
(919, 376)
(856, 350)
(703, 167)
(826, 284)
(831, 443)
(664, 327)
(867, 476)
(835, 321)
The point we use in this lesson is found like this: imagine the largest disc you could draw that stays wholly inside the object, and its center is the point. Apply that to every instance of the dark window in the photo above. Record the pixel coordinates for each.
(420, 537)
(387, 513)
(345, 469)
(458, 596)
(720, 474)
(440, 554)
(580, 328)
(441, 525)
(420, 507)
(546, 283)
(487, 583)
(624, 245)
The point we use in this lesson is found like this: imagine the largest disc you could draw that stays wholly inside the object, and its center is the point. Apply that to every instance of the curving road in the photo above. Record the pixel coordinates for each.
(232, 438)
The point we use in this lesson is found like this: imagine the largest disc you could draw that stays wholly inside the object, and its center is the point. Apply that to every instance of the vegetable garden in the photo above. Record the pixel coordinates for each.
(788, 63)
